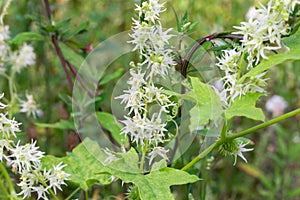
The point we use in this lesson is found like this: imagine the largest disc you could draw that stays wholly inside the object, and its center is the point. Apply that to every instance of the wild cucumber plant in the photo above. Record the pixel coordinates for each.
(163, 101)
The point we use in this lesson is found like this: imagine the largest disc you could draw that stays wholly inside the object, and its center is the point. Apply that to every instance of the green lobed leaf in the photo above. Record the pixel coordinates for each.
(292, 42)
(109, 122)
(153, 186)
(83, 165)
(111, 76)
(86, 168)
(245, 106)
(208, 103)
(25, 37)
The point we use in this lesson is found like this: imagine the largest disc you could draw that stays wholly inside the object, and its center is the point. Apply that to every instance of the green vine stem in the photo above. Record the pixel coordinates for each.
(8, 180)
(240, 134)
(73, 193)
(3, 189)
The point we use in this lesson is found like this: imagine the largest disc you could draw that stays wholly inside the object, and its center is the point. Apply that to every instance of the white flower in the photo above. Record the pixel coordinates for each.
(229, 60)
(276, 104)
(29, 106)
(151, 10)
(25, 57)
(239, 152)
(41, 191)
(23, 157)
(8, 127)
(26, 184)
(2, 105)
(158, 151)
(159, 64)
(141, 128)
(57, 177)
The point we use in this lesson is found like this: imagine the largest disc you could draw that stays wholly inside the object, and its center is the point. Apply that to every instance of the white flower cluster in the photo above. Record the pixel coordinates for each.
(261, 34)
(230, 63)
(18, 60)
(26, 161)
(264, 29)
(23, 58)
(145, 128)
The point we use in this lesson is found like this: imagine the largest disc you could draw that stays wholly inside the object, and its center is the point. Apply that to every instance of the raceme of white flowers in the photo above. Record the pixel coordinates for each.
(261, 35)
(25, 160)
(149, 38)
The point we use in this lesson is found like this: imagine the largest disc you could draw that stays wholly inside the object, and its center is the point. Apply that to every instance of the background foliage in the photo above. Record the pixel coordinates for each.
(273, 170)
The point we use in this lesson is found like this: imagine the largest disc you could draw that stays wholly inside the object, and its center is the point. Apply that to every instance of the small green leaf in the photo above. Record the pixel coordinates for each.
(111, 76)
(177, 20)
(80, 29)
(25, 37)
(74, 58)
(63, 23)
(109, 122)
(245, 106)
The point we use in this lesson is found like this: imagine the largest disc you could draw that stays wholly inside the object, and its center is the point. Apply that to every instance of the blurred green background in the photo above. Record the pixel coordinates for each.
(273, 171)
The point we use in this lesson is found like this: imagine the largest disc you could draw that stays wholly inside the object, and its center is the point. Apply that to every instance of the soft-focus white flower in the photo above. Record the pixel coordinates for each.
(23, 58)
(23, 157)
(158, 151)
(8, 127)
(276, 105)
(110, 157)
(2, 105)
(4, 33)
(29, 106)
